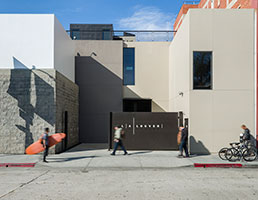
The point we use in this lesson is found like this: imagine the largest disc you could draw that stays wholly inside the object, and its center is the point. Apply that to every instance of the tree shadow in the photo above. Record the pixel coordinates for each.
(41, 94)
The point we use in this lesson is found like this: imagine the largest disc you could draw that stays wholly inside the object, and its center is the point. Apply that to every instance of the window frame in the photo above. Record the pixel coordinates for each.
(133, 82)
(211, 70)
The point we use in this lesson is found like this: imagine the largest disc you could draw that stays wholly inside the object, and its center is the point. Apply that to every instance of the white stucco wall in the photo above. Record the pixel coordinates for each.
(151, 74)
(35, 41)
(216, 115)
(64, 49)
(26, 40)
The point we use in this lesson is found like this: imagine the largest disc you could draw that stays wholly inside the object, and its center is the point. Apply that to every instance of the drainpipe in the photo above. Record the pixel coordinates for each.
(254, 4)
(256, 13)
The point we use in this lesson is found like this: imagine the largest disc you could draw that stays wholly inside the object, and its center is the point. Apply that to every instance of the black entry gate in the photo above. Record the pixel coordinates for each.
(146, 131)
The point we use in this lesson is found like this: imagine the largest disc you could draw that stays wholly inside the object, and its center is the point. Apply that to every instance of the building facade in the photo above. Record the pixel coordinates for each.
(37, 88)
(72, 84)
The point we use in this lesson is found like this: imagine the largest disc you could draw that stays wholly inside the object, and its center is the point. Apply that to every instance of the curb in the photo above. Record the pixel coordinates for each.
(218, 165)
(17, 164)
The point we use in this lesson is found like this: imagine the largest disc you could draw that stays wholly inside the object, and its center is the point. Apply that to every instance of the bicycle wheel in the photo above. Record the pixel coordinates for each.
(222, 153)
(232, 154)
(250, 154)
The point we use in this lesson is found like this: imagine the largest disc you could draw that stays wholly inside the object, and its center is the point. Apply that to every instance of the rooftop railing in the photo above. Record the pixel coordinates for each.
(191, 2)
(127, 35)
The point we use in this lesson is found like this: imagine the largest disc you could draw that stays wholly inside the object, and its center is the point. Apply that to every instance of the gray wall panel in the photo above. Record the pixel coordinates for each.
(100, 93)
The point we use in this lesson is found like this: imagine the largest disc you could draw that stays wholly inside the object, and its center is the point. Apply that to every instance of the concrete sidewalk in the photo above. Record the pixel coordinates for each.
(86, 158)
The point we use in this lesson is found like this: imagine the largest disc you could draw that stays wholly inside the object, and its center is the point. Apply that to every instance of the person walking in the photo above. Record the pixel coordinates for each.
(119, 134)
(45, 143)
(184, 142)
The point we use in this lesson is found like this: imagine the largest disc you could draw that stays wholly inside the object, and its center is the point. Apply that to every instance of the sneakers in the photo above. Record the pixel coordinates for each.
(112, 154)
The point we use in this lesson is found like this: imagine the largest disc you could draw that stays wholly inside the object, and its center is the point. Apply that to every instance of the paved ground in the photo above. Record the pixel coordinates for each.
(94, 174)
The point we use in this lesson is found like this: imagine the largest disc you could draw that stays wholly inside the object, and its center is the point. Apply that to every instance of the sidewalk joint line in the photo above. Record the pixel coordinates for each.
(24, 184)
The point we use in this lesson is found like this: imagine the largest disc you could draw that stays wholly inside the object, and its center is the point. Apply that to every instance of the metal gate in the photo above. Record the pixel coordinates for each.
(146, 131)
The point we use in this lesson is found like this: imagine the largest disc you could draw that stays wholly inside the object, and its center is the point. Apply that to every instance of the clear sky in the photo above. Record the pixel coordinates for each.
(124, 14)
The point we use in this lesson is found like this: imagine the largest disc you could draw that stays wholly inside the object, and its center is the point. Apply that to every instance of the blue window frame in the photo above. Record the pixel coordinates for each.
(128, 66)
(202, 70)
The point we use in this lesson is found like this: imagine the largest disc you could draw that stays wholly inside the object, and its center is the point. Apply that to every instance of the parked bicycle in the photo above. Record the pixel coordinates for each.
(239, 150)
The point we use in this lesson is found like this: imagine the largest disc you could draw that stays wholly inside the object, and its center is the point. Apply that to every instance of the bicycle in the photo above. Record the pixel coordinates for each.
(223, 151)
(239, 151)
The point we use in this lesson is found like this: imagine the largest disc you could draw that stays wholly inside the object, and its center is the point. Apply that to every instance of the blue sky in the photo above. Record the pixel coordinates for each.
(124, 14)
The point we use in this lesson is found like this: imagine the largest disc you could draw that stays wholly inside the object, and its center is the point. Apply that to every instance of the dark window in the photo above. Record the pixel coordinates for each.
(128, 66)
(202, 70)
(137, 105)
(106, 34)
(76, 34)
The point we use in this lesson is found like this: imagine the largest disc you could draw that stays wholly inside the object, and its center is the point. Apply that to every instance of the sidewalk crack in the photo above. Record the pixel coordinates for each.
(24, 184)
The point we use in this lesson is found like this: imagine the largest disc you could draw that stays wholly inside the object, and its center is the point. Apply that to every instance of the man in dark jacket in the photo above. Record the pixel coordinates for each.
(184, 142)
(45, 143)
(246, 134)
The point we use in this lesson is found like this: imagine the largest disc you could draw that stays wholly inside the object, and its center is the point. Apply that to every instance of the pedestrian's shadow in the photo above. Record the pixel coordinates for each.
(68, 159)
(139, 152)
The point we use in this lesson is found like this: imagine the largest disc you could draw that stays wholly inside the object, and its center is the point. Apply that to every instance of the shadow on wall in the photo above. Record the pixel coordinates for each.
(31, 101)
(128, 93)
(198, 147)
(101, 92)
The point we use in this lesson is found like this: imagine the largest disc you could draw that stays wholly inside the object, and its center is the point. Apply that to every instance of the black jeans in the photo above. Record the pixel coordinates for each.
(119, 143)
(183, 146)
(45, 153)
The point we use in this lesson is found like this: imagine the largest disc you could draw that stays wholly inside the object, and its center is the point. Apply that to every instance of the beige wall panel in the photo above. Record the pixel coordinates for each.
(216, 115)
(233, 50)
(151, 73)
(179, 66)
(231, 110)
(201, 121)
(107, 53)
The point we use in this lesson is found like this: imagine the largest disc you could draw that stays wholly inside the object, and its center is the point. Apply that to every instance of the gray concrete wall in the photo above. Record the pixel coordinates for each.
(27, 106)
(67, 99)
(99, 76)
(31, 100)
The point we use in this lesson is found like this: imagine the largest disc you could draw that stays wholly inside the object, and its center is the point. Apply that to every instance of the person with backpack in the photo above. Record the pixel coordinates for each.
(119, 134)
(246, 134)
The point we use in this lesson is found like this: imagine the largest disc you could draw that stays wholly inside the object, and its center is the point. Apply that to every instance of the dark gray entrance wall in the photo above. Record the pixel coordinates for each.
(98, 72)
(100, 93)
